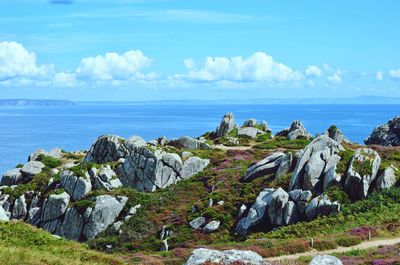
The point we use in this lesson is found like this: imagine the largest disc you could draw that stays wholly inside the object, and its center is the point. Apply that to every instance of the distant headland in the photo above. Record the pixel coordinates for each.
(35, 102)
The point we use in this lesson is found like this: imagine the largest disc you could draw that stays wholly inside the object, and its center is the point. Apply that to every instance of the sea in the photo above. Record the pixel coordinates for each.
(23, 129)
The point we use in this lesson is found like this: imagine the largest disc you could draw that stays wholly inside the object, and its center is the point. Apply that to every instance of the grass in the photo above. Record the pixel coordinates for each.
(49, 161)
(282, 142)
(21, 243)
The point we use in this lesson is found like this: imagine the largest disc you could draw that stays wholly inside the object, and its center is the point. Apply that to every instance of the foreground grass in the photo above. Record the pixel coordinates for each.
(21, 243)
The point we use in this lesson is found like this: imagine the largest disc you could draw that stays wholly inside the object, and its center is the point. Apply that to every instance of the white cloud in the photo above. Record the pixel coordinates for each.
(335, 78)
(189, 63)
(18, 62)
(113, 66)
(379, 75)
(259, 67)
(313, 71)
(395, 74)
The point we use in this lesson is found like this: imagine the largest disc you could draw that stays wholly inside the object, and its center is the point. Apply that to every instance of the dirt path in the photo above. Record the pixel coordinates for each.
(362, 245)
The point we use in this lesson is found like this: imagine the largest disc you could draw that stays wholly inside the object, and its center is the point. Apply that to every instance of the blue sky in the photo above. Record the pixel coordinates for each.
(141, 50)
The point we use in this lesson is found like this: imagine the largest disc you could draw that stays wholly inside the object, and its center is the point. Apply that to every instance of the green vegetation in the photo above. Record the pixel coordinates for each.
(81, 205)
(343, 164)
(282, 142)
(263, 137)
(21, 243)
(336, 193)
(49, 161)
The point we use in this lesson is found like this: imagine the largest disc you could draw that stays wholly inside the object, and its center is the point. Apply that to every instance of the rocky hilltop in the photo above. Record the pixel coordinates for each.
(225, 186)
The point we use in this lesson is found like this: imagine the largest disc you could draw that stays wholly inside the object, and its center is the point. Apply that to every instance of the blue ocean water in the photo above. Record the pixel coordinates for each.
(24, 129)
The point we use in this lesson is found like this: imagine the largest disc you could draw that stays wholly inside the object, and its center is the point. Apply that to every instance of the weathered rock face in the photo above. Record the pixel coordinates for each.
(55, 153)
(107, 208)
(202, 256)
(295, 131)
(362, 171)
(77, 187)
(3, 215)
(197, 222)
(250, 123)
(250, 132)
(316, 167)
(334, 133)
(277, 163)
(226, 126)
(387, 134)
(189, 143)
(386, 180)
(11, 177)
(72, 225)
(106, 178)
(277, 207)
(147, 171)
(107, 148)
(211, 226)
(20, 208)
(325, 260)
(31, 169)
(55, 206)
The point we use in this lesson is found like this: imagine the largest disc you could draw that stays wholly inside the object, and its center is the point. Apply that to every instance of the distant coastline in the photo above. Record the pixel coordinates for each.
(35, 102)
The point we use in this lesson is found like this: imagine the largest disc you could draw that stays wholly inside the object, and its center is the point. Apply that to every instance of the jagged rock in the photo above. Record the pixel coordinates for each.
(334, 133)
(276, 162)
(20, 208)
(279, 198)
(321, 206)
(106, 209)
(55, 206)
(386, 180)
(325, 260)
(31, 169)
(192, 166)
(134, 142)
(242, 209)
(51, 226)
(34, 215)
(107, 148)
(232, 140)
(362, 170)
(106, 179)
(295, 131)
(189, 143)
(55, 153)
(250, 132)
(197, 222)
(201, 256)
(250, 123)
(72, 225)
(316, 169)
(76, 187)
(3, 215)
(290, 213)
(5, 202)
(211, 226)
(256, 213)
(226, 126)
(11, 177)
(387, 134)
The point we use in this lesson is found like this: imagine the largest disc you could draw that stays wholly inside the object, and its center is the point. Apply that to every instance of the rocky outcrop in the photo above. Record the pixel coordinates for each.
(211, 226)
(197, 222)
(325, 260)
(107, 148)
(106, 210)
(386, 179)
(295, 131)
(277, 163)
(148, 171)
(11, 177)
(316, 167)
(105, 178)
(20, 208)
(189, 143)
(76, 186)
(362, 170)
(55, 153)
(334, 133)
(250, 132)
(202, 256)
(31, 169)
(387, 134)
(72, 225)
(274, 208)
(226, 126)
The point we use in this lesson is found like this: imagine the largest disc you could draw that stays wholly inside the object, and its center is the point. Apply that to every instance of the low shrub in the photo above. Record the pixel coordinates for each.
(49, 161)
(325, 244)
(348, 240)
